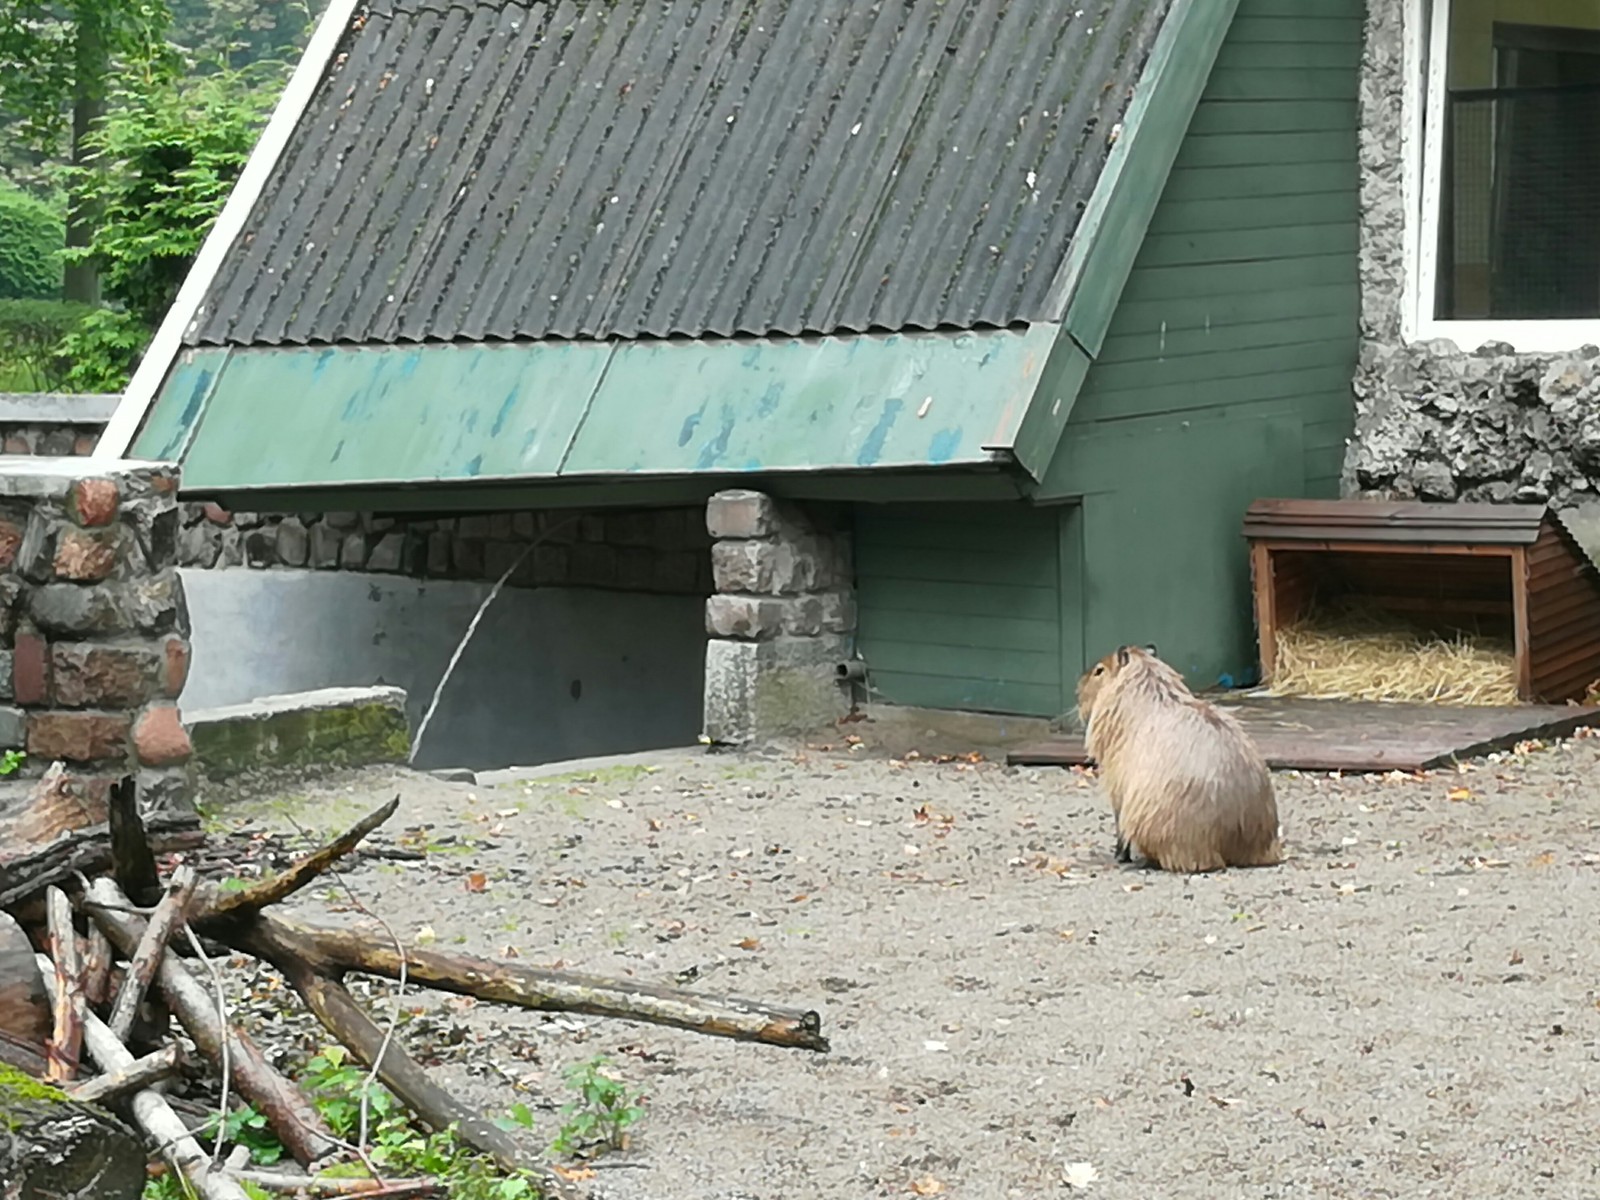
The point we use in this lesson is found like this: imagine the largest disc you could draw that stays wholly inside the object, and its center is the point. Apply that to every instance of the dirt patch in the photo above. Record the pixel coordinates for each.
(1407, 1007)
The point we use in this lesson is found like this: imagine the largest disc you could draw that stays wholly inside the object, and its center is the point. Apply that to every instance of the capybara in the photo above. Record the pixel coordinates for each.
(1186, 784)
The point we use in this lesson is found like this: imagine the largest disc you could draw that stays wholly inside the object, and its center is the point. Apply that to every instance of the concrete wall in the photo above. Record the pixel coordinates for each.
(1434, 420)
(550, 674)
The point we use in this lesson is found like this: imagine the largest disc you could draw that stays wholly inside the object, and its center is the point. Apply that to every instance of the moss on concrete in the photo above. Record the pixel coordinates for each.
(348, 735)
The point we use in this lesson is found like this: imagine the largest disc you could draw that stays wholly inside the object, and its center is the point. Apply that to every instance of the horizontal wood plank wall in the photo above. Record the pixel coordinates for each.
(959, 605)
(1241, 313)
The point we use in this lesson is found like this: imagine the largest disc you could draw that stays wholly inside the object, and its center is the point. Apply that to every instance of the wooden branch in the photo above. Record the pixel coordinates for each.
(339, 950)
(153, 1113)
(26, 1014)
(146, 957)
(86, 851)
(97, 962)
(138, 1074)
(292, 1117)
(339, 1013)
(301, 872)
(133, 864)
(339, 1185)
(67, 1036)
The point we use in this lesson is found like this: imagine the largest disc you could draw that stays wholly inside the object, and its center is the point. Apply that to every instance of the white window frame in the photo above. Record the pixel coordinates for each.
(1426, 32)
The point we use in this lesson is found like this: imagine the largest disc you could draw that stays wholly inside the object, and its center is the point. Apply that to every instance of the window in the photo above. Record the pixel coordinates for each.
(1509, 233)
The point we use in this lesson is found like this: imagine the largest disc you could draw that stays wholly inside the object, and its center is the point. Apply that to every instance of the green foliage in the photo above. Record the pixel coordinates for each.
(161, 171)
(54, 53)
(31, 236)
(602, 1111)
(217, 34)
(336, 1086)
(31, 335)
(10, 761)
(103, 350)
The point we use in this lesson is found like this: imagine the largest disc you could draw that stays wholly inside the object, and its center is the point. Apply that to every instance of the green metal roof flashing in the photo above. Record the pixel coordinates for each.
(247, 419)
(1119, 213)
(261, 418)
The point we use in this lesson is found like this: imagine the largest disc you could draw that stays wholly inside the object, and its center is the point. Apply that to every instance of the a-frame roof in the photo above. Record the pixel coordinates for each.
(487, 170)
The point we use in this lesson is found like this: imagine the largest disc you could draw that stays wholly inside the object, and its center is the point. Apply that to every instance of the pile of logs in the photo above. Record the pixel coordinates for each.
(100, 955)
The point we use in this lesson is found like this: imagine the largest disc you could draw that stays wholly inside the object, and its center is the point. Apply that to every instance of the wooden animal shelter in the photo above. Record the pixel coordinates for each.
(1515, 568)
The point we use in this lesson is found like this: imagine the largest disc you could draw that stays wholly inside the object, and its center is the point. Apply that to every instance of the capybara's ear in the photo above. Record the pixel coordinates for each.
(1151, 650)
(1122, 656)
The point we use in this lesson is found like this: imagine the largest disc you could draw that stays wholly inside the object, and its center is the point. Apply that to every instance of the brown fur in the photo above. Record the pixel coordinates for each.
(1186, 784)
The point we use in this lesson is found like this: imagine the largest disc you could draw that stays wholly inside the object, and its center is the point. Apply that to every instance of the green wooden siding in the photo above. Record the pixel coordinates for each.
(960, 605)
(1225, 373)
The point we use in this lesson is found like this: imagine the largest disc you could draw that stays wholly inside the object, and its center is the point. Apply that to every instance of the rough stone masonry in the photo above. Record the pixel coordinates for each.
(94, 633)
(780, 620)
(1435, 421)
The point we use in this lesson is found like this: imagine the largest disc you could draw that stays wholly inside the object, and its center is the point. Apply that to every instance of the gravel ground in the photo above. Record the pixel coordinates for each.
(1407, 1007)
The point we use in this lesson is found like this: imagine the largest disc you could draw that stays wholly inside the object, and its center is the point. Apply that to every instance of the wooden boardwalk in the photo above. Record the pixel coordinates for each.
(1347, 735)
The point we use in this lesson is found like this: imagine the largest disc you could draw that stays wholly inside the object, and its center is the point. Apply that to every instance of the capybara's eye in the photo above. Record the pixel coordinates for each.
(1099, 670)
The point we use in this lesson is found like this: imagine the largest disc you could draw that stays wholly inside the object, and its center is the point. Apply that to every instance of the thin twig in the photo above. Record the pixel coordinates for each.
(472, 627)
(399, 994)
(222, 1020)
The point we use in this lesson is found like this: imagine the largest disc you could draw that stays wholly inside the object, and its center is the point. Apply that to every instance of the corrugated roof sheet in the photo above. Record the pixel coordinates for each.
(607, 168)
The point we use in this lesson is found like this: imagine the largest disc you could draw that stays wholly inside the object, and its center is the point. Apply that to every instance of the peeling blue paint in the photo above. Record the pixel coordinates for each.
(690, 424)
(712, 454)
(768, 404)
(338, 451)
(944, 445)
(473, 465)
(872, 448)
(505, 411)
(323, 359)
(409, 364)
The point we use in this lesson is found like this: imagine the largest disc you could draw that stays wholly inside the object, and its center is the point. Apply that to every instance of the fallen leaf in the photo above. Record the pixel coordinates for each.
(1516, 957)
(749, 943)
(926, 1186)
(573, 1174)
(477, 882)
(1458, 794)
(426, 935)
(654, 824)
(1079, 1174)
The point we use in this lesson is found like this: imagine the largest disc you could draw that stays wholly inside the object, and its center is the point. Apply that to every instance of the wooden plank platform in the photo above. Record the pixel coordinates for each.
(1345, 735)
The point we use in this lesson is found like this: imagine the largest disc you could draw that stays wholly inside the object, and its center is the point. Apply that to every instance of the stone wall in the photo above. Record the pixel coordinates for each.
(781, 620)
(663, 551)
(658, 550)
(94, 627)
(1433, 420)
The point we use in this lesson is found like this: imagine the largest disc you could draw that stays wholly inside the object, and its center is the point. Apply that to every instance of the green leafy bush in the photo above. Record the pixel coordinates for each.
(32, 333)
(163, 165)
(32, 235)
(102, 351)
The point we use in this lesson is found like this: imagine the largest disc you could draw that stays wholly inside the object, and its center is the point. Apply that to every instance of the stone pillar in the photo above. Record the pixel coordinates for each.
(94, 628)
(780, 620)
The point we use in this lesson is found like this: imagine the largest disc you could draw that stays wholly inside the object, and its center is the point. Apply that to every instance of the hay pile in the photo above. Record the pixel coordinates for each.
(1354, 651)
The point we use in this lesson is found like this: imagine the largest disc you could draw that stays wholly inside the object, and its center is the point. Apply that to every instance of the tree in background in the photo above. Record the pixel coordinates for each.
(159, 173)
(58, 61)
(31, 237)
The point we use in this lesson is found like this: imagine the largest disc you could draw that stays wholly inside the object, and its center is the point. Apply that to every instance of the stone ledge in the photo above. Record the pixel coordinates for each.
(328, 727)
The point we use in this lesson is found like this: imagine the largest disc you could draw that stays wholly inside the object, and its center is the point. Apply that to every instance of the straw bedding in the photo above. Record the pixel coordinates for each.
(1354, 651)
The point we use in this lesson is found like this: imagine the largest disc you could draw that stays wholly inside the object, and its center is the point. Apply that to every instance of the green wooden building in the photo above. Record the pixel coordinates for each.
(1030, 300)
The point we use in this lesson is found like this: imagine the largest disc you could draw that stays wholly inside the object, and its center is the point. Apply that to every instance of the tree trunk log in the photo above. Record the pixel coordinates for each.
(290, 1113)
(155, 1116)
(25, 1010)
(337, 951)
(133, 863)
(53, 1146)
(137, 1075)
(145, 958)
(67, 1038)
